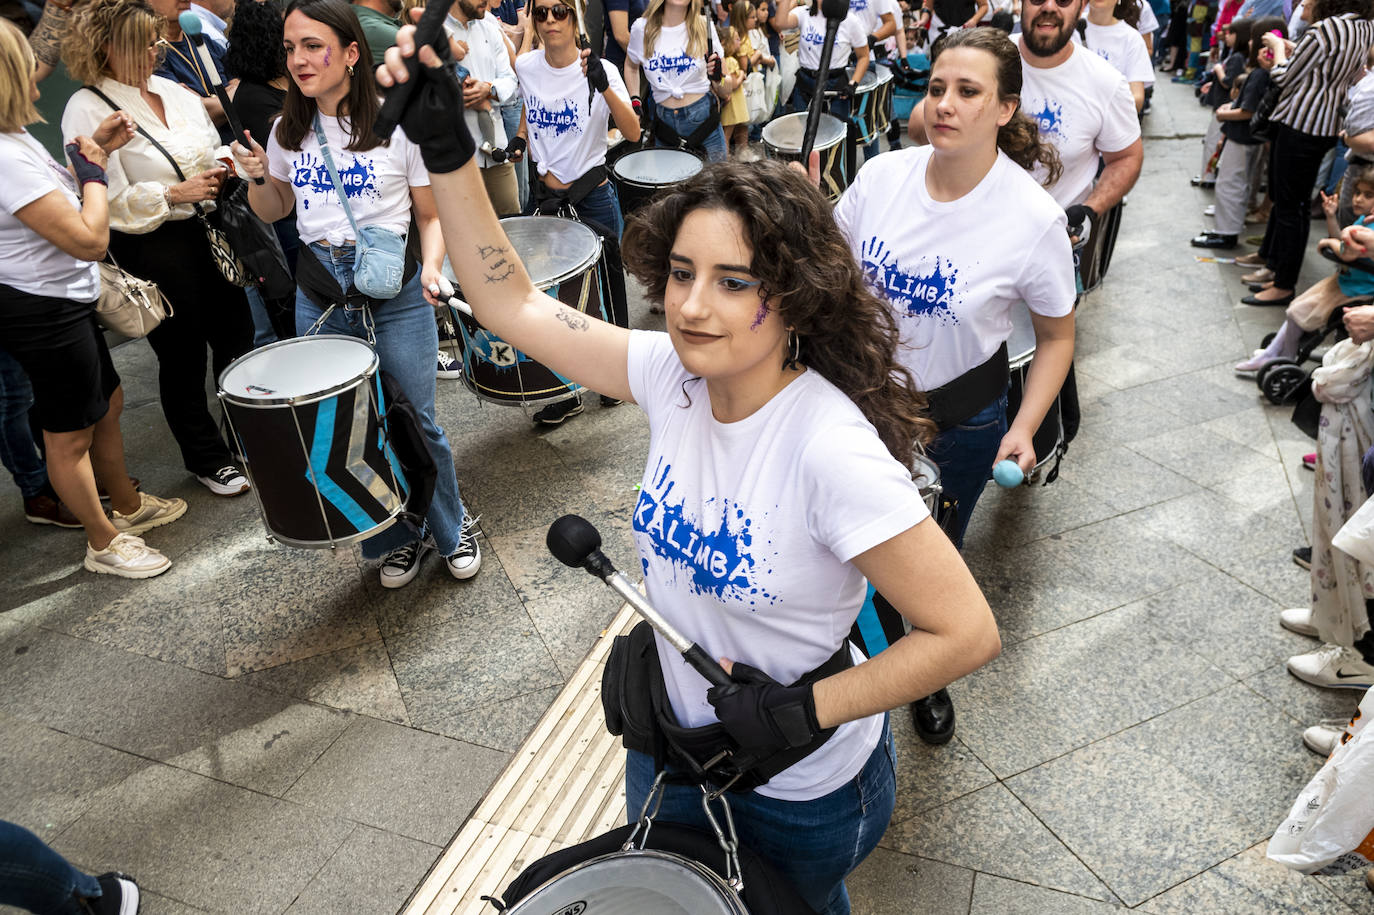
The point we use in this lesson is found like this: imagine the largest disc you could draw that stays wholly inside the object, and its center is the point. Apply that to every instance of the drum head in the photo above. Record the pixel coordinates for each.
(784, 134)
(881, 74)
(657, 167)
(869, 82)
(291, 370)
(925, 473)
(552, 249)
(633, 883)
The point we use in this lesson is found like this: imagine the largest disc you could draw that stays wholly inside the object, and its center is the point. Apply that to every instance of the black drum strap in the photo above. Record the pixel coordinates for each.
(955, 401)
(695, 141)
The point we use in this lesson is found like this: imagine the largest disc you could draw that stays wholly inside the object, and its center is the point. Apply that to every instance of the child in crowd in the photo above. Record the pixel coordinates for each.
(734, 113)
(1216, 91)
(1311, 309)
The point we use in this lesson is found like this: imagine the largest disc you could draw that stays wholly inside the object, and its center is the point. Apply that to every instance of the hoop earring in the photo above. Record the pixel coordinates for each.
(793, 350)
(349, 69)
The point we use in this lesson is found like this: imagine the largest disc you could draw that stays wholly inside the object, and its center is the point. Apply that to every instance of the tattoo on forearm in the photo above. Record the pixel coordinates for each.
(497, 261)
(574, 320)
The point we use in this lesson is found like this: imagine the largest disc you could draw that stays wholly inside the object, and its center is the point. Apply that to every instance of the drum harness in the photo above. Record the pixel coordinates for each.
(695, 141)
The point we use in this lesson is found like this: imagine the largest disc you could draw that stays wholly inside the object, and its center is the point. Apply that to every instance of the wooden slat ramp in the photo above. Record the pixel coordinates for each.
(564, 785)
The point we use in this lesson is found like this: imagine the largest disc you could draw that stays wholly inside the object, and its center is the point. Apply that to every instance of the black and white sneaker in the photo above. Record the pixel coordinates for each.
(448, 367)
(1302, 557)
(118, 895)
(402, 564)
(227, 481)
(555, 413)
(467, 560)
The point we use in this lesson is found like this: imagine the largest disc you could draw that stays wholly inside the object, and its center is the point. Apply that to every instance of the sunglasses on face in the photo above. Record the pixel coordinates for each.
(1062, 4)
(559, 13)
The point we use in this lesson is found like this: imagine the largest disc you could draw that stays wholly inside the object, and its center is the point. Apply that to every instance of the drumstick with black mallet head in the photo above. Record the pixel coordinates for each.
(575, 542)
(428, 30)
(190, 24)
(834, 12)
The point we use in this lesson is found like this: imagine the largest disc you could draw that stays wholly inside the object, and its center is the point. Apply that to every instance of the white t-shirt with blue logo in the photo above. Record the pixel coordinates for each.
(867, 12)
(851, 34)
(670, 72)
(377, 182)
(566, 139)
(952, 270)
(746, 530)
(1083, 107)
(1121, 46)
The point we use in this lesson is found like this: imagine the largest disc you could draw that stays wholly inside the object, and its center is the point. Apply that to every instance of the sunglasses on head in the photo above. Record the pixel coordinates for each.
(1062, 4)
(558, 12)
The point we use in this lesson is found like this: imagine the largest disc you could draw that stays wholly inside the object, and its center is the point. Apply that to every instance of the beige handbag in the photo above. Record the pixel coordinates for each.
(127, 304)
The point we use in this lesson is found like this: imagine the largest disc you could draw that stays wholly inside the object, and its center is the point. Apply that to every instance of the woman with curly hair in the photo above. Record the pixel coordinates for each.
(776, 481)
(954, 235)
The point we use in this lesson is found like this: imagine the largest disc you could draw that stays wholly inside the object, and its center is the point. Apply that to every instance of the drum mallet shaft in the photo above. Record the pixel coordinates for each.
(575, 542)
(444, 292)
(190, 24)
(834, 12)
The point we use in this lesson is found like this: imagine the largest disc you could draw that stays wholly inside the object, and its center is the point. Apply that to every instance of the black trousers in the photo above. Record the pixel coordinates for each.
(208, 312)
(1294, 160)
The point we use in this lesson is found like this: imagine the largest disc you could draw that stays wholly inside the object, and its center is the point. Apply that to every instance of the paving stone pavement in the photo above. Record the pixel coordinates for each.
(267, 730)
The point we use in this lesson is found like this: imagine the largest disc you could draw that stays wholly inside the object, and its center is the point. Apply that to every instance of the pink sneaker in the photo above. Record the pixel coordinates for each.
(1257, 361)
(1309, 461)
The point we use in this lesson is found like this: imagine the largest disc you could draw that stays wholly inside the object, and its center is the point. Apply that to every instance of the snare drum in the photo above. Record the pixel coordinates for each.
(872, 108)
(305, 414)
(925, 473)
(1048, 441)
(782, 139)
(634, 882)
(640, 175)
(560, 256)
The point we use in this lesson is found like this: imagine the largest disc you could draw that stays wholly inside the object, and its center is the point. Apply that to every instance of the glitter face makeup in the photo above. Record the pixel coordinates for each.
(326, 55)
(761, 316)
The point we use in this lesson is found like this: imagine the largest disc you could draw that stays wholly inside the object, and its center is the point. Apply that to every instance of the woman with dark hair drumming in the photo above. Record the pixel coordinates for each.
(773, 391)
(917, 221)
(1314, 75)
(570, 100)
(331, 105)
(257, 58)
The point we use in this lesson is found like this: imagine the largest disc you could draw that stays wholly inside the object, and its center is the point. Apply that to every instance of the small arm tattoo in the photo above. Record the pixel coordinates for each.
(499, 267)
(573, 319)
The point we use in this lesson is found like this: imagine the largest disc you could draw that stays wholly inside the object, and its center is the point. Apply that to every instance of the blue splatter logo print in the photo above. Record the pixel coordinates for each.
(678, 63)
(560, 121)
(713, 556)
(359, 179)
(927, 291)
(1050, 119)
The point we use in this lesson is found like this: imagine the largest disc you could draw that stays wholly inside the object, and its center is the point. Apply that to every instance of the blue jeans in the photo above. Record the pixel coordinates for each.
(602, 206)
(688, 118)
(510, 117)
(18, 452)
(35, 878)
(812, 844)
(965, 454)
(263, 333)
(805, 86)
(407, 344)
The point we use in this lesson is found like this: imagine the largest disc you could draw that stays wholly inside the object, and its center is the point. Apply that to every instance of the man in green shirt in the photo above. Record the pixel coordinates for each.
(379, 22)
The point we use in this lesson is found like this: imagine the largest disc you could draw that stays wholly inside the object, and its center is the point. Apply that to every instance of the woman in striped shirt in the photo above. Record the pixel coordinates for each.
(1314, 75)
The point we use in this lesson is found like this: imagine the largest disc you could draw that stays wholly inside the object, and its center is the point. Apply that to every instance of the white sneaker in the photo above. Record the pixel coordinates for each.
(153, 512)
(1323, 738)
(448, 368)
(1299, 620)
(1334, 667)
(402, 564)
(1209, 210)
(227, 481)
(467, 560)
(128, 557)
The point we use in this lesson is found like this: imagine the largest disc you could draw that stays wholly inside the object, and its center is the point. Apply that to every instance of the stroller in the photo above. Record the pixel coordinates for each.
(1283, 381)
(911, 82)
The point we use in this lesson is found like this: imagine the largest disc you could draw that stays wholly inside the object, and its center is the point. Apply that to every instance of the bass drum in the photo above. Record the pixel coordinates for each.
(782, 139)
(641, 175)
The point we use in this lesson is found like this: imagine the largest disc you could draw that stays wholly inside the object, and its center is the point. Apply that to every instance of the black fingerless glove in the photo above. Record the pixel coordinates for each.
(847, 89)
(596, 74)
(86, 170)
(714, 68)
(516, 146)
(1078, 214)
(434, 118)
(763, 716)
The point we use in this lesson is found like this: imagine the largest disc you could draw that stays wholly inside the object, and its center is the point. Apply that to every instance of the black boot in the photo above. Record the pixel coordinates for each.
(934, 717)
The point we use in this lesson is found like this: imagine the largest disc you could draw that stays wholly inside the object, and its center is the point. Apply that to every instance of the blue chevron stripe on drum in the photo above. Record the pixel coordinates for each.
(318, 471)
(870, 627)
(385, 445)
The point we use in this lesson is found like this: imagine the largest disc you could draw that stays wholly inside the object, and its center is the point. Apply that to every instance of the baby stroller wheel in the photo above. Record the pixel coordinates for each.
(1268, 338)
(1280, 380)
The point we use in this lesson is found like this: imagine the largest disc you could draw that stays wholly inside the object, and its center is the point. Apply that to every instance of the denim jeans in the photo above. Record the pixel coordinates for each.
(602, 207)
(965, 454)
(510, 118)
(18, 452)
(263, 333)
(35, 878)
(407, 344)
(801, 96)
(812, 844)
(688, 118)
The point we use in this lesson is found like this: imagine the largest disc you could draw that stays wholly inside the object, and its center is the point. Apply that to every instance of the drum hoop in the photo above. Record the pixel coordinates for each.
(713, 879)
(582, 268)
(348, 540)
(642, 185)
(305, 399)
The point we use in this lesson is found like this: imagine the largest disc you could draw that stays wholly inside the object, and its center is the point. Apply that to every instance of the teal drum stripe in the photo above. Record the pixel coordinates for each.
(319, 470)
(385, 445)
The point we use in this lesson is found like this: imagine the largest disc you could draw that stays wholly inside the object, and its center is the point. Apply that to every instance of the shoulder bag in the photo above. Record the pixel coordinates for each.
(380, 253)
(220, 249)
(128, 305)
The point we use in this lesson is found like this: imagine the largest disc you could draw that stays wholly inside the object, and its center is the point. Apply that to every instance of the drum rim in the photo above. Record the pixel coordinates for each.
(271, 403)
(636, 183)
(701, 870)
(789, 150)
(563, 277)
(348, 540)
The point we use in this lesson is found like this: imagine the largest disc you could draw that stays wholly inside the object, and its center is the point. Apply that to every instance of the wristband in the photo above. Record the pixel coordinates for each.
(87, 172)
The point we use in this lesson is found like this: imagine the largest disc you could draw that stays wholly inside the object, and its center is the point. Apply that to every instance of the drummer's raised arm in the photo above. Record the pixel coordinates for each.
(494, 282)
(783, 18)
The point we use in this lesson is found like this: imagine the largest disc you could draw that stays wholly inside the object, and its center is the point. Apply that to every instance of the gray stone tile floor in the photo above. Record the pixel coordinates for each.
(267, 730)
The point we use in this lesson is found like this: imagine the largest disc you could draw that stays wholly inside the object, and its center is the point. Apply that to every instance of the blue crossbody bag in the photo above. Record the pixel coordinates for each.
(380, 260)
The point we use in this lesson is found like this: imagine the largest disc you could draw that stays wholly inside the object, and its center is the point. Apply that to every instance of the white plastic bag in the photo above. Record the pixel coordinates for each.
(754, 98)
(1330, 829)
(1356, 536)
(787, 69)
